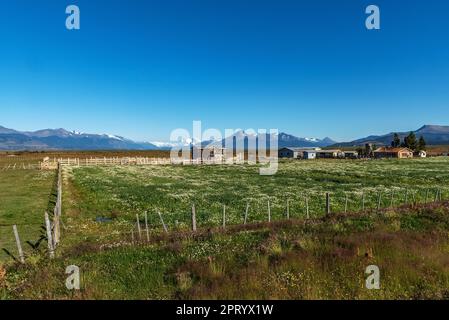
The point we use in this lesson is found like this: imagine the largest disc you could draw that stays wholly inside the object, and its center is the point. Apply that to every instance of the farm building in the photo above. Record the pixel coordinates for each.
(387, 152)
(351, 154)
(297, 153)
(421, 154)
(329, 154)
(210, 153)
(309, 154)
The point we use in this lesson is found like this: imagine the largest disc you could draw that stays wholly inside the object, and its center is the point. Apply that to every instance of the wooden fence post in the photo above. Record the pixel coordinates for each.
(288, 209)
(163, 223)
(363, 201)
(328, 203)
(56, 230)
(406, 196)
(379, 199)
(193, 218)
(138, 227)
(246, 213)
(346, 202)
(392, 199)
(269, 211)
(49, 237)
(307, 208)
(146, 227)
(19, 245)
(224, 216)
(60, 190)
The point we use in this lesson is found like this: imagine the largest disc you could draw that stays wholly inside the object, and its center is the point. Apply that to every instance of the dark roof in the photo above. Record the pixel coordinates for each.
(298, 149)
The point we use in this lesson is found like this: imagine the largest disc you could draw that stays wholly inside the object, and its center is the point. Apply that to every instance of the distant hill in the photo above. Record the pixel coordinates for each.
(61, 139)
(433, 134)
(242, 138)
(287, 140)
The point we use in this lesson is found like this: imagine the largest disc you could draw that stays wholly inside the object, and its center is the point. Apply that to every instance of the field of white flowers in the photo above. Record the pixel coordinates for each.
(122, 192)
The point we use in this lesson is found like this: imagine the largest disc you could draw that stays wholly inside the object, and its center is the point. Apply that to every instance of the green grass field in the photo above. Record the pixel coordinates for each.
(122, 192)
(24, 197)
(317, 258)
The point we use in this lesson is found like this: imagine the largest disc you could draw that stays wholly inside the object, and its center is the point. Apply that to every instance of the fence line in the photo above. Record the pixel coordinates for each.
(51, 164)
(328, 207)
(58, 209)
(21, 166)
(208, 228)
(123, 161)
(326, 204)
(52, 226)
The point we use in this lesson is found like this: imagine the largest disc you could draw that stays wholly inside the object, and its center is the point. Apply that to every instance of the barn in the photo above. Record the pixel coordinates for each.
(388, 152)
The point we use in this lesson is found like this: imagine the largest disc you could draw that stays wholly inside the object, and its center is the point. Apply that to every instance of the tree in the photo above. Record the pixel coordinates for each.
(421, 144)
(396, 141)
(410, 141)
(368, 149)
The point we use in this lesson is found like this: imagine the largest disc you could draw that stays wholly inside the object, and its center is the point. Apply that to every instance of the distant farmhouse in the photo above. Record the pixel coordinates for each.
(312, 153)
(389, 152)
(351, 154)
(421, 154)
(209, 153)
(330, 154)
(298, 153)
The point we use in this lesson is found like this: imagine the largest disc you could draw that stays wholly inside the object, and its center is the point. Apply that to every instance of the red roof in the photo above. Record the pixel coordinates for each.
(392, 150)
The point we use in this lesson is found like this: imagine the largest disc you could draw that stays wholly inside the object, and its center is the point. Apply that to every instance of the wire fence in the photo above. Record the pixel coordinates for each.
(49, 231)
(202, 215)
(310, 207)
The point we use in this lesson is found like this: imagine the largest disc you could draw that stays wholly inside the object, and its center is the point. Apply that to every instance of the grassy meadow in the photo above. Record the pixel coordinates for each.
(24, 197)
(119, 193)
(317, 257)
(314, 259)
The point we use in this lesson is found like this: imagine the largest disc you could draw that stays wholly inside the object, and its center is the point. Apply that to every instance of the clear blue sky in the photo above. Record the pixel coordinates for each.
(143, 68)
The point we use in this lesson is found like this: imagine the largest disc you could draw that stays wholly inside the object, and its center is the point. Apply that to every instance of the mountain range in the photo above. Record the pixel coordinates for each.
(61, 139)
(433, 135)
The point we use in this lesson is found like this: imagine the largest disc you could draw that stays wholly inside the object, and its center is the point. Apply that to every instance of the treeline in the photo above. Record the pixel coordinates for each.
(410, 142)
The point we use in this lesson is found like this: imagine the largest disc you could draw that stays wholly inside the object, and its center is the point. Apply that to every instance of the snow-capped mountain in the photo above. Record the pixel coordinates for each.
(61, 139)
(241, 138)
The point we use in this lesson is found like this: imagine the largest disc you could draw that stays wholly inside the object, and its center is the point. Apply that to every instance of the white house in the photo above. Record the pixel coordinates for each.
(422, 154)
